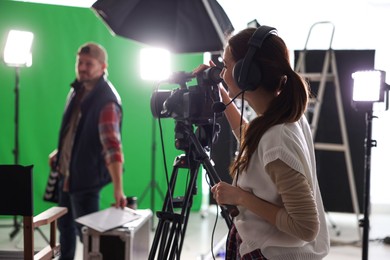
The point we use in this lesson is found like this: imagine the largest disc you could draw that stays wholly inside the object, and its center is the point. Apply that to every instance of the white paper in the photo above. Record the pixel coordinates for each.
(108, 218)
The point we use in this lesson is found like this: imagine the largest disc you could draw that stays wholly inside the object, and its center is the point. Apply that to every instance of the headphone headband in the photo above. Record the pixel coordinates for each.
(246, 73)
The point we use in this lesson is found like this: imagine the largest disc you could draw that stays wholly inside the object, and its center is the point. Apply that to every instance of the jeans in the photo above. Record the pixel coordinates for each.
(78, 204)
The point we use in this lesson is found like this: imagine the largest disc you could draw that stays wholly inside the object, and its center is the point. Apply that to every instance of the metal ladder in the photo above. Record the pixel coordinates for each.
(328, 74)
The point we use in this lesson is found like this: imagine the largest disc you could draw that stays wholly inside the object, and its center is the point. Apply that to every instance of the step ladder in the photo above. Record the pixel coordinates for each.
(328, 74)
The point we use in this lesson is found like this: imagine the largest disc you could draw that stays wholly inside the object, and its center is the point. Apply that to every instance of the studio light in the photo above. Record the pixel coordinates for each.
(369, 86)
(17, 51)
(17, 54)
(155, 64)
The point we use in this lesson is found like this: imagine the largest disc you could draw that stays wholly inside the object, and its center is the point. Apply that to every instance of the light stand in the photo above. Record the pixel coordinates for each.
(365, 222)
(153, 185)
(17, 225)
(17, 54)
(153, 69)
(363, 99)
(16, 149)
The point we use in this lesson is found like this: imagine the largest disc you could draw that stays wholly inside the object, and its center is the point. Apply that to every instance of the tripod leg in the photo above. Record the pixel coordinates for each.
(169, 236)
(164, 220)
(43, 235)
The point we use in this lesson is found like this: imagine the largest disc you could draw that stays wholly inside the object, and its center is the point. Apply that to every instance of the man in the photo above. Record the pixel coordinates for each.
(89, 153)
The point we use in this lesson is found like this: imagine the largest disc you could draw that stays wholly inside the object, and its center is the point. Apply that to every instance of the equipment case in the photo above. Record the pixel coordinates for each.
(128, 242)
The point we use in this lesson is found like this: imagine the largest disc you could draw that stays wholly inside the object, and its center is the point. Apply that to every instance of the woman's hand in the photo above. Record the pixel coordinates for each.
(226, 194)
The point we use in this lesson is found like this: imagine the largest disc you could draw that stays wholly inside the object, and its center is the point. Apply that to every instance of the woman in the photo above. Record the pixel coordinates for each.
(275, 186)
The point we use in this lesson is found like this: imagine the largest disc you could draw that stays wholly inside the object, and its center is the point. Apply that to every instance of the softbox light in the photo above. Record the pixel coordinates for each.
(181, 26)
(369, 87)
(17, 50)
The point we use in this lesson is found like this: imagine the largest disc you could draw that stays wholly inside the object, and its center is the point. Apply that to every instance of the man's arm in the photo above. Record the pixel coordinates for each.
(109, 129)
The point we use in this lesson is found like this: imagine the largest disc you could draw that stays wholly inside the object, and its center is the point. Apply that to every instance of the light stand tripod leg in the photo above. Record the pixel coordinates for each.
(16, 227)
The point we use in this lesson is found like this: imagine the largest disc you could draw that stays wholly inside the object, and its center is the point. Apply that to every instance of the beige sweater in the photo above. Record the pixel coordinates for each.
(299, 217)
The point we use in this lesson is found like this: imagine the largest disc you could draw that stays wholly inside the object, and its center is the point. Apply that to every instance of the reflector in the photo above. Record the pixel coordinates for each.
(181, 26)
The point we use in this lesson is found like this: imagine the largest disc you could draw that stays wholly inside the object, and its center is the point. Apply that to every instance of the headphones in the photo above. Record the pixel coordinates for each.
(246, 73)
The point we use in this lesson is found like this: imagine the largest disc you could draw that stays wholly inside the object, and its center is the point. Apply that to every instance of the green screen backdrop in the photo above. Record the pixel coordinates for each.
(58, 32)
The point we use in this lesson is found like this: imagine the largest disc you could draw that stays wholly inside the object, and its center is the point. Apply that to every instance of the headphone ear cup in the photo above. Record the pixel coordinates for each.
(253, 78)
(236, 74)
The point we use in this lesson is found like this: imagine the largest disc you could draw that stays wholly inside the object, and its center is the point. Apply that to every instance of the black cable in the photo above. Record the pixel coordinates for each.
(164, 156)
(215, 224)
(213, 233)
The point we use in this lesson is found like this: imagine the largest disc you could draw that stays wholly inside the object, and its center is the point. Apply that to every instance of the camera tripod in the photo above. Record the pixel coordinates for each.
(170, 232)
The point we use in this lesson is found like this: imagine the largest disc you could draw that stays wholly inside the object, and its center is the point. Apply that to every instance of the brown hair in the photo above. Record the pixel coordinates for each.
(287, 107)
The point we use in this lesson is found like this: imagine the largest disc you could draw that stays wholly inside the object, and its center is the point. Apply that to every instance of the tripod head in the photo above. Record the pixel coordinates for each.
(206, 135)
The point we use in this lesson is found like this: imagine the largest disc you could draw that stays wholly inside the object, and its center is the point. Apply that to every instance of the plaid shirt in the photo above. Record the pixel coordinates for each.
(109, 130)
(110, 137)
(233, 244)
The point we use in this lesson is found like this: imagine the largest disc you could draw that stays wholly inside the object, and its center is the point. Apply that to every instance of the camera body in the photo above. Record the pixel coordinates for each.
(193, 104)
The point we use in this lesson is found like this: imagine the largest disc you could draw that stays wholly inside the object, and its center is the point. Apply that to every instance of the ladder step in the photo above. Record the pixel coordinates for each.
(330, 147)
(317, 76)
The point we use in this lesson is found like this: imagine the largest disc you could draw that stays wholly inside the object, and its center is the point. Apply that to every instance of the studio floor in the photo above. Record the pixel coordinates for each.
(200, 234)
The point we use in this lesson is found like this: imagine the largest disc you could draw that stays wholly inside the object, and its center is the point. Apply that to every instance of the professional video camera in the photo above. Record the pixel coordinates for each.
(198, 105)
(194, 104)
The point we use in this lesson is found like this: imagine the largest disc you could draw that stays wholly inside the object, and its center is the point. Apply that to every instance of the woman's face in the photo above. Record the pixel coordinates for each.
(227, 73)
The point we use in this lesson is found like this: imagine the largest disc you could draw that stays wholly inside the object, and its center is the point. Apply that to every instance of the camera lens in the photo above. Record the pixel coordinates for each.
(157, 102)
(212, 75)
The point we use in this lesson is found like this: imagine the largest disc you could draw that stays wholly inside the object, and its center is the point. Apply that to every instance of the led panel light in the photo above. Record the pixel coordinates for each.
(155, 64)
(17, 51)
(368, 86)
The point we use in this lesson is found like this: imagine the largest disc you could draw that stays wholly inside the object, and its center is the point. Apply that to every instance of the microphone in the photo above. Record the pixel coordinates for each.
(219, 107)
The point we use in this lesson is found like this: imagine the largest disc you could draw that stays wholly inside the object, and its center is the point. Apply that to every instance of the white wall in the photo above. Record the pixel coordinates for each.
(359, 24)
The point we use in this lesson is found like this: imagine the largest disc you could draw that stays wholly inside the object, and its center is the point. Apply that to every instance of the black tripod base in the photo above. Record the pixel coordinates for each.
(173, 219)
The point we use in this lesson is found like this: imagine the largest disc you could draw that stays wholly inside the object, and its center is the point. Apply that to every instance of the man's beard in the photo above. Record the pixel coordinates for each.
(83, 77)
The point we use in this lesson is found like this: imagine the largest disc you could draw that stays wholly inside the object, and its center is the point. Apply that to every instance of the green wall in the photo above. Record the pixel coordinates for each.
(58, 32)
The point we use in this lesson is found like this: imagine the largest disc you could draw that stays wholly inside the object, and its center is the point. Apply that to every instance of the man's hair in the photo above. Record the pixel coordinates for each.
(95, 50)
